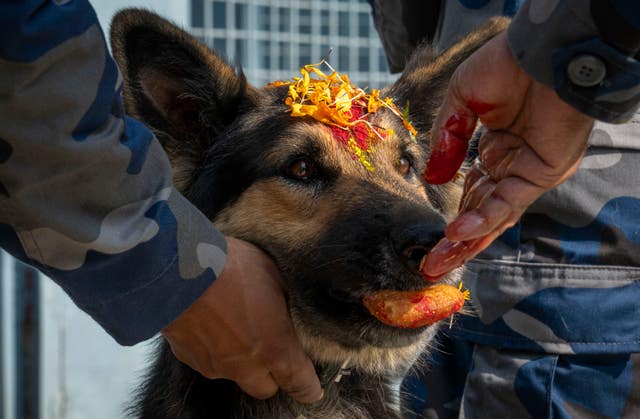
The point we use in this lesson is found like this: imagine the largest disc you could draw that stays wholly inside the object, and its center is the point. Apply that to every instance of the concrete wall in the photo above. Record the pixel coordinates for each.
(84, 372)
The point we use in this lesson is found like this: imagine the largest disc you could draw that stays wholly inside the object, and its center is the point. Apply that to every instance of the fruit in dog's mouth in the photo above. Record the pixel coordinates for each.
(413, 309)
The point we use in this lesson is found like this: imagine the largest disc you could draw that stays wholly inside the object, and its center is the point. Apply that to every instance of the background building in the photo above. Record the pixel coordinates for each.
(272, 39)
(55, 362)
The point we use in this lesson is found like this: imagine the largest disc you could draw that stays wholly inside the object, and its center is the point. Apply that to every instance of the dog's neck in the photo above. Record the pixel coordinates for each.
(356, 395)
(332, 374)
(348, 394)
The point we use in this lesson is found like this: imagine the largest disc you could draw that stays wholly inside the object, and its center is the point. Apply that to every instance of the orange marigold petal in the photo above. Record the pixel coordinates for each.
(333, 100)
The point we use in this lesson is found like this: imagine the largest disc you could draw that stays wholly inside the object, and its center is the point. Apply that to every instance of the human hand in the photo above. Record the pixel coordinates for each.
(239, 329)
(533, 142)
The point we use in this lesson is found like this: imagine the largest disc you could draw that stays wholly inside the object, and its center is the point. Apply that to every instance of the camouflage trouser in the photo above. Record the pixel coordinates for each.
(556, 302)
(465, 380)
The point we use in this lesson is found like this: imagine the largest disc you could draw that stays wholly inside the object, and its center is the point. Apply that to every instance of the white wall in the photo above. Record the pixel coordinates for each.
(7, 338)
(84, 372)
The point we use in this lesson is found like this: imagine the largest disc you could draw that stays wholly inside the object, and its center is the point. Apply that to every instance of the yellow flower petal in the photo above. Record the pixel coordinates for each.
(331, 98)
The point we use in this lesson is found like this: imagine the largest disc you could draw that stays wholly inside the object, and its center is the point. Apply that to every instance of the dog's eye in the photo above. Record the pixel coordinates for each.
(301, 169)
(404, 166)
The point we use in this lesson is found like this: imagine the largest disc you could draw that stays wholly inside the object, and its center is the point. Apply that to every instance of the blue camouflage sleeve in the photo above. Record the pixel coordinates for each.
(86, 193)
(586, 50)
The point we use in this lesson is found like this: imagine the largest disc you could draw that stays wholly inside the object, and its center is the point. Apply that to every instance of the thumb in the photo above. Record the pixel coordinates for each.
(293, 371)
(302, 384)
(488, 77)
(453, 127)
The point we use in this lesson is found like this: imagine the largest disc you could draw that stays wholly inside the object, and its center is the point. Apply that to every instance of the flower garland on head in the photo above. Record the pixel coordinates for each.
(334, 101)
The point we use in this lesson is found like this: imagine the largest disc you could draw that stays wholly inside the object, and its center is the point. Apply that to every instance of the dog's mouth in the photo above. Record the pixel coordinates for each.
(329, 300)
(384, 314)
(406, 309)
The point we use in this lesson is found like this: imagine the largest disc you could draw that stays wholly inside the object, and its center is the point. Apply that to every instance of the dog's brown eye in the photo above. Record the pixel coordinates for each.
(404, 166)
(301, 169)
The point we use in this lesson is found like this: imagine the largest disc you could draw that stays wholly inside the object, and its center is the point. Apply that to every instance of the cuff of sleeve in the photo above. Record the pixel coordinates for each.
(143, 312)
(547, 38)
(196, 252)
(615, 96)
(132, 295)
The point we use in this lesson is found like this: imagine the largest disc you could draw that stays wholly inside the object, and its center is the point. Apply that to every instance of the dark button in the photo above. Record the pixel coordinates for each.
(586, 70)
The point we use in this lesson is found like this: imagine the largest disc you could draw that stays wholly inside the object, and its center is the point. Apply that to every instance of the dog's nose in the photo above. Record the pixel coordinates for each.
(413, 243)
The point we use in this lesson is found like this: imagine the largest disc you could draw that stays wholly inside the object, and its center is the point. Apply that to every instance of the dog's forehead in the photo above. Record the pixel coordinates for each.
(288, 137)
(340, 120)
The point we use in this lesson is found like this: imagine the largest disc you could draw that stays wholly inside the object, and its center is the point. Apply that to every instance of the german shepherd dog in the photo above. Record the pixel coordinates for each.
(336, 230)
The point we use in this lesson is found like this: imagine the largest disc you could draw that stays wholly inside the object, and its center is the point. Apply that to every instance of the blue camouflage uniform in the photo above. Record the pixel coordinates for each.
(556, 328)
(86, 193)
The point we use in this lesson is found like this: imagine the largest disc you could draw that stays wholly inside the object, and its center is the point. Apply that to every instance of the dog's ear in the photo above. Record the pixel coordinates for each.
(424, 81)
(185, 92)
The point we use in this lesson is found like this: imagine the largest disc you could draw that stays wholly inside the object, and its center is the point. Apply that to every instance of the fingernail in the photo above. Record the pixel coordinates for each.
(461, 124)
(427, 277)
(443, 258)
(430, 278)
(467, 226)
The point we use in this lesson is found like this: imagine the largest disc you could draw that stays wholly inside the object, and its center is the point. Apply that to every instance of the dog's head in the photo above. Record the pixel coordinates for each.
(336, 229)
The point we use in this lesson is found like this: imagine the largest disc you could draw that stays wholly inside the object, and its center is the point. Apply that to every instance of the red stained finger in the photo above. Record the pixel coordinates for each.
(448, 255)
(445, 257)
(461, 125)
(480, 108)
(447, 155)
(450, 149)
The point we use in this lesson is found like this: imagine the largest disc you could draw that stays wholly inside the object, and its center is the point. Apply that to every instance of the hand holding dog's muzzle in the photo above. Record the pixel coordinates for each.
(240, 330)
(533, 142)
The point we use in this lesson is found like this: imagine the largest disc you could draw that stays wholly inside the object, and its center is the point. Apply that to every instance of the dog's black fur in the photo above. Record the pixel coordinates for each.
(336, 233)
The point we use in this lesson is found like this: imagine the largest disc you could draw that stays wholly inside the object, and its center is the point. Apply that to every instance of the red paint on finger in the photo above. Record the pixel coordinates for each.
(446, 158)
(461, 125)
(480, 108)
(450, 149)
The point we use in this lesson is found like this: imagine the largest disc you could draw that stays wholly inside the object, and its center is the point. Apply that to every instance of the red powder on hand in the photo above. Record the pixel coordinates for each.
(480, 108)
(446, 158)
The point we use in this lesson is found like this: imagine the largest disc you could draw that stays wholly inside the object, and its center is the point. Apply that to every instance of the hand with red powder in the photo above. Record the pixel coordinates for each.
(532, 143)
